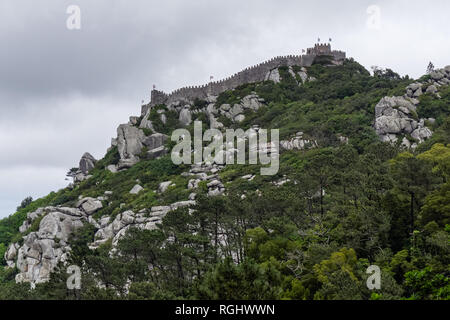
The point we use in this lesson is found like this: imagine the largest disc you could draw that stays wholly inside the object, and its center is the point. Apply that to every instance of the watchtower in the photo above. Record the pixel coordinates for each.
(320, 49)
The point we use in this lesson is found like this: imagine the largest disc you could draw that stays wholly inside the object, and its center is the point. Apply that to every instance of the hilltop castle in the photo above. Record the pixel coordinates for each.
(255, 73)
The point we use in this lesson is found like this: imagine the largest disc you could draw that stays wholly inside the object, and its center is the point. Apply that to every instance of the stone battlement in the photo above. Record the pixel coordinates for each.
(256, 73)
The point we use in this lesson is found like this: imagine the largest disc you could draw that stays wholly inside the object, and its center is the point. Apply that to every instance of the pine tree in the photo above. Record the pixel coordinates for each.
(430, 68)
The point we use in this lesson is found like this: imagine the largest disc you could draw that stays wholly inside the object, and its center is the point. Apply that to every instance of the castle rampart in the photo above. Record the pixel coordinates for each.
(252, 74)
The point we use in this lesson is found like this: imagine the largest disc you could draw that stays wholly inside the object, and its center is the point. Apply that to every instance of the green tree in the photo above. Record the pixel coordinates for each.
(25, 202)
(413, 177)
(246, 281)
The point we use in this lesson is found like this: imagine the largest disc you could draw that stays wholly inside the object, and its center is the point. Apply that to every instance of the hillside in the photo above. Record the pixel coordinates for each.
(363, 180)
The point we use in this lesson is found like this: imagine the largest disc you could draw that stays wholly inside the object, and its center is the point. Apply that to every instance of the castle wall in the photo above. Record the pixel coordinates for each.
(253, 74)
(158, 97)
(308, 59)
(339, 55)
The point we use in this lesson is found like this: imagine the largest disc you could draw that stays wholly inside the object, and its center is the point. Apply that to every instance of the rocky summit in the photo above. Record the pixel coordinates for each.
(363, 179)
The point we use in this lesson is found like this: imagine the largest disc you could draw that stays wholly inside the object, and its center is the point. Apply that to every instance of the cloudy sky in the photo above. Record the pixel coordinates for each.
(64, 92)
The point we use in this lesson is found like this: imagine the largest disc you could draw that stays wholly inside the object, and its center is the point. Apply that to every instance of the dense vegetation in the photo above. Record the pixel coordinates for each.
(346, 206)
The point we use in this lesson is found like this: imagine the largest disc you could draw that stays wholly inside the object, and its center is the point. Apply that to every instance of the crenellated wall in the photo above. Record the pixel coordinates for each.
(255, 73)
(252, 74)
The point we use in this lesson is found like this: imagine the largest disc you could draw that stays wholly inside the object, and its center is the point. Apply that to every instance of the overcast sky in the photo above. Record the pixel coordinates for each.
(64, 92)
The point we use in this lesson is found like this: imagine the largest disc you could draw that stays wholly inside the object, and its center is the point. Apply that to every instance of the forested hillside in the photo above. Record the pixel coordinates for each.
(310, 232)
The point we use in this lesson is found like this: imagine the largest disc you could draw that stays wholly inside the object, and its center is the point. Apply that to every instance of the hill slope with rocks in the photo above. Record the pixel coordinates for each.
(363, 179)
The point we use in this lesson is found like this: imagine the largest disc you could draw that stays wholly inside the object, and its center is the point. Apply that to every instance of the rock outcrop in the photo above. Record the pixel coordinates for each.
(236, 112)
(208, 173)
(45, 248)
(87, 163)
(163, 186)
(143, 220)
(131, 141)
(273, 75)
(89, 205)
(396, 117)
(129, 144)
(42, 250)
(136, 189)
(298, 142)
(185, 116)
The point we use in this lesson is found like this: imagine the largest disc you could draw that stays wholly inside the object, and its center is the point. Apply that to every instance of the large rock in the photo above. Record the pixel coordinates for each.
(397, 116)
(239, 118)
(252, 102)
(87, 163)
(236, 110)
(156, 153)
(303, 76)
(273, 75)
(437, 75)
(11, 254)
(185, 116)
(129, 144)
(155, 141)
(112, 168)
(421, 134)
(89, 205)
(432, 89)
(163, 186)
(388, 106)
(145, 122)
(58, 225)
(136, 189)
